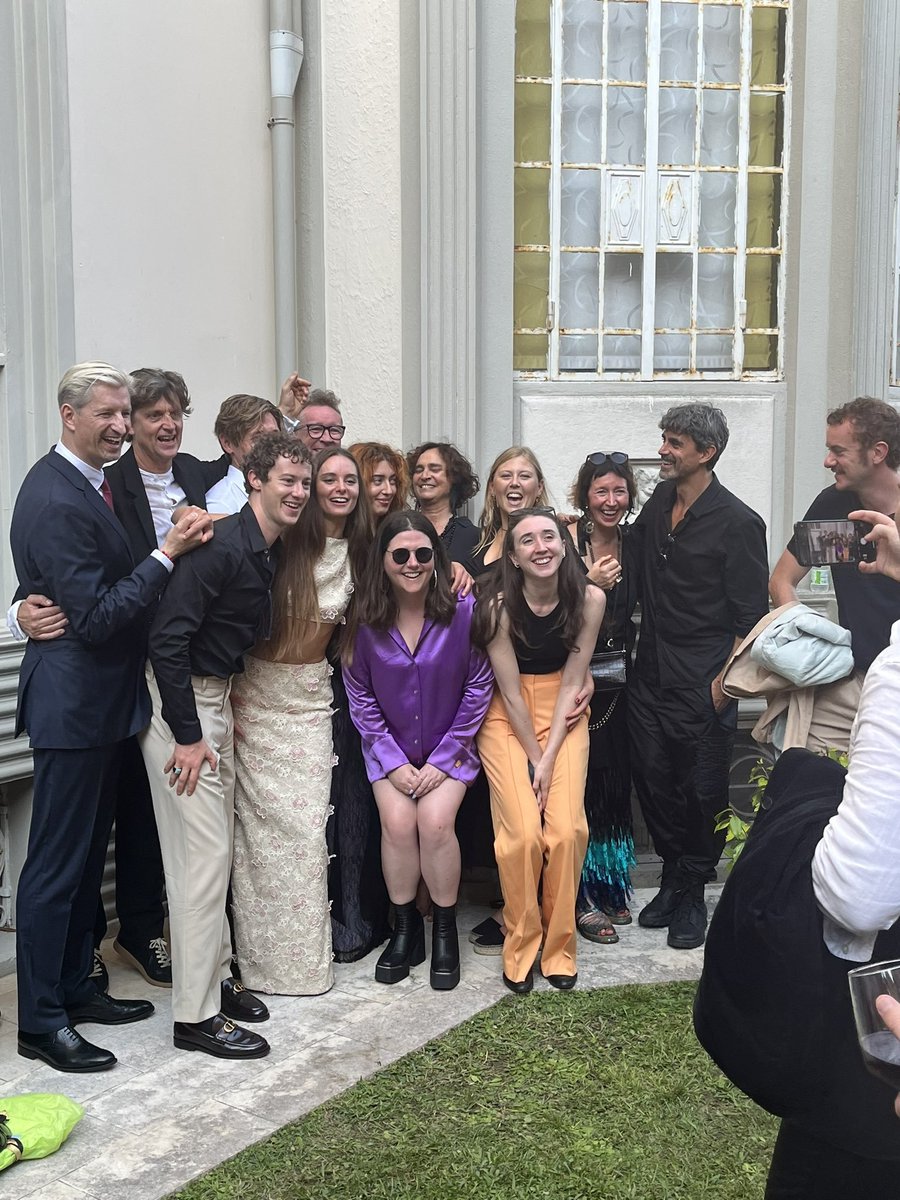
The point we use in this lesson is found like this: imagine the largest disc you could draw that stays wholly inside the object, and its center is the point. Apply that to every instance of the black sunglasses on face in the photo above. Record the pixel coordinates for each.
(424, 554)
(599, 457)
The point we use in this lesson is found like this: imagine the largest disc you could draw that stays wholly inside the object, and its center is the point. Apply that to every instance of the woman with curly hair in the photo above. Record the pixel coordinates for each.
(442, 482)
(538, 619)
(384, 476)
(605, 492)
(283, 743)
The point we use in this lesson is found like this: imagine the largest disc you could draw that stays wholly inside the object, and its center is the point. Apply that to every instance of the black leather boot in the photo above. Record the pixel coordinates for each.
(444, 949)
(407, 945)
(687, 929)
(661, 909)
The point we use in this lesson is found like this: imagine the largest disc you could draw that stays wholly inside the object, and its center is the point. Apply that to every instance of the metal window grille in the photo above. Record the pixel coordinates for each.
(650, 150)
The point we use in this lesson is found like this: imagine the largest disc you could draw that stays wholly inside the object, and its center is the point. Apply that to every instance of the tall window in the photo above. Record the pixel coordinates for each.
(650, 143)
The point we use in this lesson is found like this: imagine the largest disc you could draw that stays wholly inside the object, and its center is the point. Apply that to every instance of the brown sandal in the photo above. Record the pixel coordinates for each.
(595, 926)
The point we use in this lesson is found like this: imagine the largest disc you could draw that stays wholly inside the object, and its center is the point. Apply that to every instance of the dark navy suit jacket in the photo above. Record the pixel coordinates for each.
(86, 688)
(130, 497)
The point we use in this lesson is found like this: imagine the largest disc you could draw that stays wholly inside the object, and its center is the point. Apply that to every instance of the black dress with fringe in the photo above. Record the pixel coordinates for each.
(605, 876)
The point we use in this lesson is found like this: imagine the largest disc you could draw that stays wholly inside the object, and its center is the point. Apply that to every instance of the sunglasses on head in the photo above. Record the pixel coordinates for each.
(424, 554)
(599, 457)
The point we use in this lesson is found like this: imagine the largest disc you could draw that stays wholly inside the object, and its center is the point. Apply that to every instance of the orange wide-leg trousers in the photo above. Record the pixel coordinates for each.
(529, 848)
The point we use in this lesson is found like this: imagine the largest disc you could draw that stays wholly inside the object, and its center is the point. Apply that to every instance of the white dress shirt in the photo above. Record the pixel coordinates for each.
(163, 495)
(229, 495)
(856, 866)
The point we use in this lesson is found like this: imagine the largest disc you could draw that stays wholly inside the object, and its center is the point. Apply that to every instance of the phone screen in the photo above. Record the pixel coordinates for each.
(831, 543)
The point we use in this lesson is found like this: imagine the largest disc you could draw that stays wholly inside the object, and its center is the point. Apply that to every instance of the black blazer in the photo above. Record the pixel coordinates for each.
(86, 688)
(130, 498)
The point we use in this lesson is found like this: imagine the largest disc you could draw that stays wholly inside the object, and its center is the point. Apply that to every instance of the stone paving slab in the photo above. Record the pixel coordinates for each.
(162, 1117)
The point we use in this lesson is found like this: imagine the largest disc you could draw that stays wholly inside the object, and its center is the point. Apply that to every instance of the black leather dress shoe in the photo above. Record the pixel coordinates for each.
(220, 1037)
(241, 1005)
(65, 1050)
(563, 983)
(102, 1009)
(519, 986)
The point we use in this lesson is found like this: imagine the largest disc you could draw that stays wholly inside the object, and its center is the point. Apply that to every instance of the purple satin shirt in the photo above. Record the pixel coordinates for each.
(421, 706)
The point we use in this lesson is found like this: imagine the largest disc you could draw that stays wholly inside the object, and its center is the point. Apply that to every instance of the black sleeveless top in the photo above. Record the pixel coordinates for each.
(543, 652)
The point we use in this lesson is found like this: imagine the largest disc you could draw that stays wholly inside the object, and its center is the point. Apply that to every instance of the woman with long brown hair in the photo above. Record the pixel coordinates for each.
(283, 743)
(538, 620)
(418, 692)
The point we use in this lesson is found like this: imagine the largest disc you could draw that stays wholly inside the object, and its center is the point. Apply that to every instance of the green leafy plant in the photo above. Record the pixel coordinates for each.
(737, 825)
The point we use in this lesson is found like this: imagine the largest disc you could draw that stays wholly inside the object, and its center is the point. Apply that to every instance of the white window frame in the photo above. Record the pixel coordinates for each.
(651, 173)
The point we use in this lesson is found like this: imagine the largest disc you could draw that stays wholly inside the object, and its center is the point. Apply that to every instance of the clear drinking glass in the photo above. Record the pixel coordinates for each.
(880, 1048)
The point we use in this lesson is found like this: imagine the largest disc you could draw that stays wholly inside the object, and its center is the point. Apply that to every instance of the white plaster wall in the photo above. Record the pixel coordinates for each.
(366, 135)
(171, 193)
(563, 430)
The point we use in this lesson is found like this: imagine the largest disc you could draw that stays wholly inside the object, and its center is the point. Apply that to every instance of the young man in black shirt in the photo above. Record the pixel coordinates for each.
(703, 588)
(216, 612)
(862, 440)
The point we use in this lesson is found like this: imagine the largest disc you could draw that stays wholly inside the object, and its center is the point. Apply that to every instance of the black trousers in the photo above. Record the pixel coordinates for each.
(806, 1168)
(139, 868)
(56, 901)
(680, 760)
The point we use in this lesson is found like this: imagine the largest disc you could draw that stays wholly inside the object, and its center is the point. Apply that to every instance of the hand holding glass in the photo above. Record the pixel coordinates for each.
(880, 1048)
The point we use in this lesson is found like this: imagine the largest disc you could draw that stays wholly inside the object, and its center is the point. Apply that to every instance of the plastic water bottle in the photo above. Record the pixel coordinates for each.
(819, 579)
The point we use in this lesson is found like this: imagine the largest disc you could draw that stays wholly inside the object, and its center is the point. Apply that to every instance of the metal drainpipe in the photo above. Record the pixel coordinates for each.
(285, 59)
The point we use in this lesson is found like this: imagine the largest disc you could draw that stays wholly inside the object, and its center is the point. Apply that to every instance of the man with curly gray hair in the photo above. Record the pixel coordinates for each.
(704, 572)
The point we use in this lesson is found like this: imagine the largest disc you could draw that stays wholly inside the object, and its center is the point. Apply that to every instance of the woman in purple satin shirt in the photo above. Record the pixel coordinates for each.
(418, 692)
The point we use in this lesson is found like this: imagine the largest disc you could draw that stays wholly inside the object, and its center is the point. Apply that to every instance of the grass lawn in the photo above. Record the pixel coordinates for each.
(604, 1095)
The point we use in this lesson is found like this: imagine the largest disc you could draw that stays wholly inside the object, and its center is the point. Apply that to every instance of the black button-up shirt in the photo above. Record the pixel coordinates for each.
(217, 605)
(703, 584)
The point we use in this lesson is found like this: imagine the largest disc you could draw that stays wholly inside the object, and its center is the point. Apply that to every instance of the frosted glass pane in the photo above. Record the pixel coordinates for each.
(622, 291)
(678, 42)
(625, 126)
(714, 352)
(531, 282)
(578, 352)
(719, 129)
(718, 194)
(721, 43)
(582, 107)
(673, 291)
(582, 39)
(621, 352)
(578, 297)
(715, 291)
(532, 126)
(677, 119)
(671, 352)
(627, 49)
(580, 208)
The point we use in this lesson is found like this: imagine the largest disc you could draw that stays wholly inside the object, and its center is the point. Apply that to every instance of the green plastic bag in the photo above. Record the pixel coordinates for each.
(35, 1125)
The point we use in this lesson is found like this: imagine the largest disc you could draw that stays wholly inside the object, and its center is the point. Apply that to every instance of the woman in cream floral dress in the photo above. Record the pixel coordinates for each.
(283, 744)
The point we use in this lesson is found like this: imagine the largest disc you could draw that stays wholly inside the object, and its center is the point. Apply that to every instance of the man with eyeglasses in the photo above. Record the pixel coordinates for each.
(704, 576)
(317, 422)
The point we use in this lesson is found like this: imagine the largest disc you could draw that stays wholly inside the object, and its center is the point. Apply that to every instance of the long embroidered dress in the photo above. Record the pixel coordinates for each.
(283, 762)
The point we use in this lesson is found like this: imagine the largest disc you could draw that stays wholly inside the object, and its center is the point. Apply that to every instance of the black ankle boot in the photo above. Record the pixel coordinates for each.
(444, 949)
(407, 945)
(661, 909)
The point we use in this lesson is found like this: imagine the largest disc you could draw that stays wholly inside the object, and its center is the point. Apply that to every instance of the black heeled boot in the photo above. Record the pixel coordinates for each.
(444, 949)
(407, 945)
